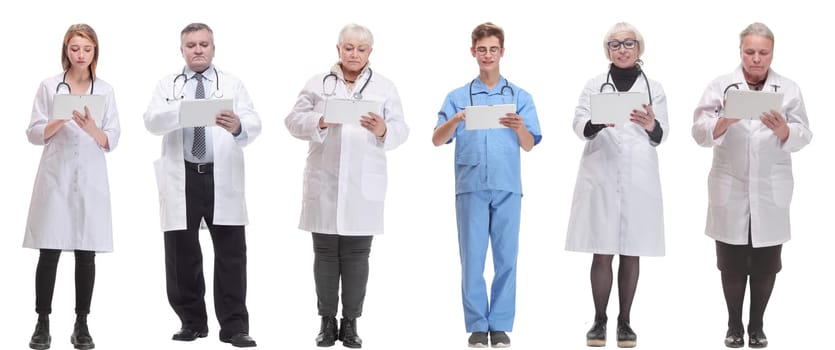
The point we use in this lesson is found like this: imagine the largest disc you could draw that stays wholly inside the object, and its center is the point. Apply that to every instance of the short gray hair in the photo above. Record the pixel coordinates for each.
(758, 29)
(355, 31)
(623, 27)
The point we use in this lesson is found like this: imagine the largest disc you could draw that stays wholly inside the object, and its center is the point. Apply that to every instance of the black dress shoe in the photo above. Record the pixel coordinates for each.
(733, 339)
(241, 340)
(348, 333)
(596, 336)
(327, 332)
(186, 334)
(41, 338)
(757, 340)
(81, 338)
(626, 336)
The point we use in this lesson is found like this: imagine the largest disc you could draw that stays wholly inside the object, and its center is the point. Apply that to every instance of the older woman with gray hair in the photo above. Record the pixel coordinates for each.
(750, 183)
(345, 176)
(617, 207)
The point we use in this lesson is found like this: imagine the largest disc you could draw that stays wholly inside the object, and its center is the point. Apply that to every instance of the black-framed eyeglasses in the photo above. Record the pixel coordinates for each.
(628, 44)
(482, 50)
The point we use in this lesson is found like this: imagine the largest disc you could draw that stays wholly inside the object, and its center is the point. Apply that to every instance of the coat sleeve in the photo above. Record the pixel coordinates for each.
(659, 107)
(250, 121)
(39, 117)
(582, 113)
(706, 116)
(396, 129)
(110, 123)
(303, 120)
(799, 133)
(162, 116)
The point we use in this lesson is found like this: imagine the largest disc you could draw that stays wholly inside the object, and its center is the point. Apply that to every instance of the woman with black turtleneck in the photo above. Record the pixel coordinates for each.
(617, 207)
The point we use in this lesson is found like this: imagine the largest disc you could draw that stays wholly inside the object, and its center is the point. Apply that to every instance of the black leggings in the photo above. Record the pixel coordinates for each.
(743, 265)
(85, 276)
(601, 284)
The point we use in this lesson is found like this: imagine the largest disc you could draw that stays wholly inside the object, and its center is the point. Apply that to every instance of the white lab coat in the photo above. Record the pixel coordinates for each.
(70, 207)
(345, 177)
(751, 175)
(617, 206)
(162, 118)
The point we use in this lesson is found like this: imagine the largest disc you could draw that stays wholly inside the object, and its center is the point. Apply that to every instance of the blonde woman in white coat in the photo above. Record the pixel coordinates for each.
(617, 207)
(345, 178)
(70, 207)
(750, 183)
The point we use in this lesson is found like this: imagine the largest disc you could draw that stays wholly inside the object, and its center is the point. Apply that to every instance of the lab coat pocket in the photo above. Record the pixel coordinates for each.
(782, 185)
(312, 184)
(374, 179)
(719, 189)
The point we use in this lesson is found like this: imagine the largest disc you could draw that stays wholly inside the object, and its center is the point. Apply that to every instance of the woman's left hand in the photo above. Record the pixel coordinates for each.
(374, 123)
(645, 118)
(85, 122)
(774, 121)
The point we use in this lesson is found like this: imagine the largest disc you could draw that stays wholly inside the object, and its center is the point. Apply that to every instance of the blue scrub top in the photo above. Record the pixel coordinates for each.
(489, 159)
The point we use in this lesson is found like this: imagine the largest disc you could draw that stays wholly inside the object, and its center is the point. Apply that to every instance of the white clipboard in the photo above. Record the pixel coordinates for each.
(202, 112)
(63, 106)
(747, 104)
(615, 107)
(487, 116)
(348, 111)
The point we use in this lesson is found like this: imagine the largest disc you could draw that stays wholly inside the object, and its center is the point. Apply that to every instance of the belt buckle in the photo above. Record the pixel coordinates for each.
(201, 168)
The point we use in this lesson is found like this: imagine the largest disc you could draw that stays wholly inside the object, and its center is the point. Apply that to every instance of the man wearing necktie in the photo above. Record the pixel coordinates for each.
(201, 179)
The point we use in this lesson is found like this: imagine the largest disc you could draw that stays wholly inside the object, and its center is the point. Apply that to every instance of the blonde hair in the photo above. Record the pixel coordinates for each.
(84, 31)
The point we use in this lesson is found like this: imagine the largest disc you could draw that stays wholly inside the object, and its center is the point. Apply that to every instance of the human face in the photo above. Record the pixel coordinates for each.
(198, 49)
(622, 57)
(353, 55)
(756, 53)
(488, 52)
(80, 51)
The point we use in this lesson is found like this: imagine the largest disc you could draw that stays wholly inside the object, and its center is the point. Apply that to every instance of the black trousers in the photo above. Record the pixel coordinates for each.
(47, 270)
(341, 257)
(184, 263)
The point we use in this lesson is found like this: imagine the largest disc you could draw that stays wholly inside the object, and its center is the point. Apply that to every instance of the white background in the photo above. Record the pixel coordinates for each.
(413, 296)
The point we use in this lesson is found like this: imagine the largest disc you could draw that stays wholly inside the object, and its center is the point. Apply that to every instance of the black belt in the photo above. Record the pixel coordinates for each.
(201, 168)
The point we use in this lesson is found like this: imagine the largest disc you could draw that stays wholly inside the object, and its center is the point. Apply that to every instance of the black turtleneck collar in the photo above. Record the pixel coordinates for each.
(624, 78)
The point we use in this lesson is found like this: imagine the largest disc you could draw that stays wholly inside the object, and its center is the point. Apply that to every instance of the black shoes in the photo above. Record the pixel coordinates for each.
(499, 339)
(328, 332)
(596, 336)
(186, 334)
(41, 338)
(348, 333)
(626, 336)
(477, 340)
(81, 338)
(757, 340)
(240, 340)
(733, 339)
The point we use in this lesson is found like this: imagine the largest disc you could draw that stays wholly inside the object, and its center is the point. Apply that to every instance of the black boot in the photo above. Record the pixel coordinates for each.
(596, 336)
(626, 336)
(327, 332)
(41, 338)
(348, 333)
(81, 338)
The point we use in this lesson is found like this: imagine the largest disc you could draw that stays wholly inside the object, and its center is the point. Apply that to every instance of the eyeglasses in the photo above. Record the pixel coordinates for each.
(628, 44)
(483, 50)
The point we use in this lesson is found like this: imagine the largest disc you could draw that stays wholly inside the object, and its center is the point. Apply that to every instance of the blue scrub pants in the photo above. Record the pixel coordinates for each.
(492, 215)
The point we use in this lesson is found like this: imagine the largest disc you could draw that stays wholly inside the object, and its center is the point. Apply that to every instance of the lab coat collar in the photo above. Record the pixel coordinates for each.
(772, 79)
(337, 69)
(209, 73)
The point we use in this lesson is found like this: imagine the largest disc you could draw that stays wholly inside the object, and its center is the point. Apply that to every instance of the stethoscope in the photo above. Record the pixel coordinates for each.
(216, 94)
(610, 84)
(69, 89)
(357, 94)
(736, 86)
(501, 91)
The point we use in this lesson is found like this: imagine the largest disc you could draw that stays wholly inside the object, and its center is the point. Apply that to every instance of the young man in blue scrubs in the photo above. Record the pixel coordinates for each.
(488, 187)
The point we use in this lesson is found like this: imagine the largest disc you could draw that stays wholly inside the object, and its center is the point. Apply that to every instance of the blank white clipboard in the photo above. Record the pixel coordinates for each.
(202, 112)
(747, 104)
(615, 107)
(487, 116)
(348, 111)
(64, 105)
